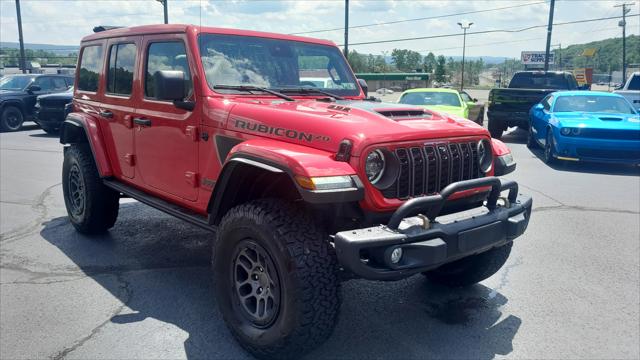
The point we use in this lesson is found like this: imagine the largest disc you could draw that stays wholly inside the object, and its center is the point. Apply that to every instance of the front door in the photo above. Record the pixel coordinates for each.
(117, 108)
(166, 136)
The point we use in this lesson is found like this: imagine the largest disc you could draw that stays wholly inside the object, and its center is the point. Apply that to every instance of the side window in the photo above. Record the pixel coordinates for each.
(465, 97)
(122, 59)
(90, 64)
(166, 56)
(44, 82)
(547, 103)
(634, 83)
(59, 83)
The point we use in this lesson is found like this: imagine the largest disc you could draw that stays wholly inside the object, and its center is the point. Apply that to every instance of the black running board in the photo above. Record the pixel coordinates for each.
(164, 206)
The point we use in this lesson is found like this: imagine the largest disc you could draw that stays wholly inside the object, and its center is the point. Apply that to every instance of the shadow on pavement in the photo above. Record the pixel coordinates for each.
(519, 136)
(44, 134)
(162, 267)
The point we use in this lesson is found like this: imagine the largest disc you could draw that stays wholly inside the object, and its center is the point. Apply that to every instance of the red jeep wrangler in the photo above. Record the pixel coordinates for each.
(304, 182)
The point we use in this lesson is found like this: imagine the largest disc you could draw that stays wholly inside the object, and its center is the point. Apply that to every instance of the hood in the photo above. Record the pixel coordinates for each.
(323, 125)
(598, 120)
(68, 95)
(452, 110)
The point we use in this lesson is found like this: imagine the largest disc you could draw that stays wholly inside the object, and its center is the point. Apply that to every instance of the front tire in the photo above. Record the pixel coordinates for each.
(276, 279)
(549, 152)
(11, 119)
(472, 269)
(531, 141)
(92, 207)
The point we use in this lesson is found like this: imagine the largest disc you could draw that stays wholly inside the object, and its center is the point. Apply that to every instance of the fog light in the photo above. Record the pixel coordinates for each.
(396, 255)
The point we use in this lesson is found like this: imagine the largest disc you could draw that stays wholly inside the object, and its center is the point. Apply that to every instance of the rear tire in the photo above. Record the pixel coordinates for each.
(92, 207)
(11, 119)
(496, 128)
(472, 269)
(276, 279)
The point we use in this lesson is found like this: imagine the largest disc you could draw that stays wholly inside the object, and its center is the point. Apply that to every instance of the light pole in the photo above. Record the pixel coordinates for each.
(464, 25)
(166, 10)
(623, 24)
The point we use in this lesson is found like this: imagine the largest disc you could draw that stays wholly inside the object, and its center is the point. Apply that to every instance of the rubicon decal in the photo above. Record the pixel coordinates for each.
(278, 131)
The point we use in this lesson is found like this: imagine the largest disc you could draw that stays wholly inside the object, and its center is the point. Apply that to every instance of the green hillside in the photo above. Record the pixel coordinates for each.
(607, 58)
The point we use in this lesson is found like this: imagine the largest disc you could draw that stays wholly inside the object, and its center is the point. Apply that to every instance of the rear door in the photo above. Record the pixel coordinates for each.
(118, 106)
(166, 136)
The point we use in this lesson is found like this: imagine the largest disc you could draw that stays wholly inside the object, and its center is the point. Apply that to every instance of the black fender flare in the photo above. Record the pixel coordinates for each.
(234, 166)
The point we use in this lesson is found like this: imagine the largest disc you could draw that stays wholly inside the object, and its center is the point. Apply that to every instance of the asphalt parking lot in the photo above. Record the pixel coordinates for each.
(571, 288)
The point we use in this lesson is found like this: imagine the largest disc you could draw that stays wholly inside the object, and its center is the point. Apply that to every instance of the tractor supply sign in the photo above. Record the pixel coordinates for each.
(535, 57)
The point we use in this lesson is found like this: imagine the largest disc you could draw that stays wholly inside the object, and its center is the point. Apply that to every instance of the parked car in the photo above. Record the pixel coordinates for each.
(631, 90)
(585, 126)
(448, 101)
(318, 82)
(18, 95)
(510, 106)
(293, 182)
(51, 110)
(384, 91)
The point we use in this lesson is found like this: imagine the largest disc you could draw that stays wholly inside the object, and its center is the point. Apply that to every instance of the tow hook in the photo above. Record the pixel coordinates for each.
(426, 223)
(503, 201)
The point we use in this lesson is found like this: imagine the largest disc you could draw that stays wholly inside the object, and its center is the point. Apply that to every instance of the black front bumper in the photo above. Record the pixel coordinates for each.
(427, 244)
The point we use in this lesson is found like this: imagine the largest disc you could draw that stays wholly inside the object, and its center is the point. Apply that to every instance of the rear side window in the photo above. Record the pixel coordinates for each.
(634, 84)
(539, 81)
(44, 82)
(122, 60)
(166, 56)
(546, 103)
(90, 64)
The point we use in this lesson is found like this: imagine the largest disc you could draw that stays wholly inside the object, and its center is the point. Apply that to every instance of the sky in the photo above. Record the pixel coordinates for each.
(66, 22)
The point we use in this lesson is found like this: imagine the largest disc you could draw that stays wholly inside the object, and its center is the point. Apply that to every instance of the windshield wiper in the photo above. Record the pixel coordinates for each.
(250, 88)
(308, 90)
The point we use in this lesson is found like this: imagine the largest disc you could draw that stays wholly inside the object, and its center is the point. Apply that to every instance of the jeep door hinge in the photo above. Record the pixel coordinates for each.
(191, 132)
(130, 159)
(191, 178)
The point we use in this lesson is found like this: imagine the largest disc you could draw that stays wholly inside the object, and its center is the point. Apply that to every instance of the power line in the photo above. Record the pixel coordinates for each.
(419, 19)
(488, 31)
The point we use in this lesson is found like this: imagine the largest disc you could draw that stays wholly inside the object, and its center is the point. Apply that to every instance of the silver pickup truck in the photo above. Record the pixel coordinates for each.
(631, 90)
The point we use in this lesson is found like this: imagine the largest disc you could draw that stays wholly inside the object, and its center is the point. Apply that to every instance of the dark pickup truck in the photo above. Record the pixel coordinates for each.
(510, 106)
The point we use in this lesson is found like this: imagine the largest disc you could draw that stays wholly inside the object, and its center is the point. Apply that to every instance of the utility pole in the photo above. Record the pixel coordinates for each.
(464, 25)
(346, 29)
(21, 62)
(623, 25)
(549, 29)
(166, 10)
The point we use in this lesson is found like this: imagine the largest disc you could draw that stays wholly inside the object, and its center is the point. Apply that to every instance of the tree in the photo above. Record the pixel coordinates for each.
(358, 62)
(429, 63)
(406, 60)
(441, 71)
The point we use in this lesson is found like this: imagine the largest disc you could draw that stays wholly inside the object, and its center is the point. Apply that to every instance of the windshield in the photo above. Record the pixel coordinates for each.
(431, 98)
(593, 103)
(274, 64)
(15, 82)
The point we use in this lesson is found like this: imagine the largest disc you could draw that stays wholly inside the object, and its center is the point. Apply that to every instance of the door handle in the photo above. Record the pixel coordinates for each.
(142, 121)
(106, 114)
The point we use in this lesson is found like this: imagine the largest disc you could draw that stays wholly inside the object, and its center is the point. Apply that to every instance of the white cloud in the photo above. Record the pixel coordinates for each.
(66, 22)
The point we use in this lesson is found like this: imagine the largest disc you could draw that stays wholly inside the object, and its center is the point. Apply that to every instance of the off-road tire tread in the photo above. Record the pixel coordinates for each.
(475, 268)
(102, 203)
(316, 269)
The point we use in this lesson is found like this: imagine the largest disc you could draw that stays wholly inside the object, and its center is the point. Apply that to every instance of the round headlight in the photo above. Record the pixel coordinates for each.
(374, 166)
(485, 155)
(565, 131)
(575, 131)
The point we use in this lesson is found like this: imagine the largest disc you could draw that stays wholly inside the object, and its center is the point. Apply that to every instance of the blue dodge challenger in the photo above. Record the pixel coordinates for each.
(585, 126)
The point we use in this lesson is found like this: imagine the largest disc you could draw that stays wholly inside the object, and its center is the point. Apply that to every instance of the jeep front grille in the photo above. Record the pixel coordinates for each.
(428, 169)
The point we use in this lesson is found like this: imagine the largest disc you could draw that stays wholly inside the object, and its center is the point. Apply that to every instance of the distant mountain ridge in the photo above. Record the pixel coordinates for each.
(58, 49)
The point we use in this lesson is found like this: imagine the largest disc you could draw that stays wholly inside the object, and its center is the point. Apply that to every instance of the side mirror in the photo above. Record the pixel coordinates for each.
(538, 107)
(474, 100)
(169, 85)
(33, 88)
(364, 86)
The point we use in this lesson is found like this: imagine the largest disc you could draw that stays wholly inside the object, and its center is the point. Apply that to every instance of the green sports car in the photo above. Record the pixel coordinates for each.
(448, 101)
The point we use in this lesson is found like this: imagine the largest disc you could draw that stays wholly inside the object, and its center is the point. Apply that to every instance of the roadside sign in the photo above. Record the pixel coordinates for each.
(535, 57)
